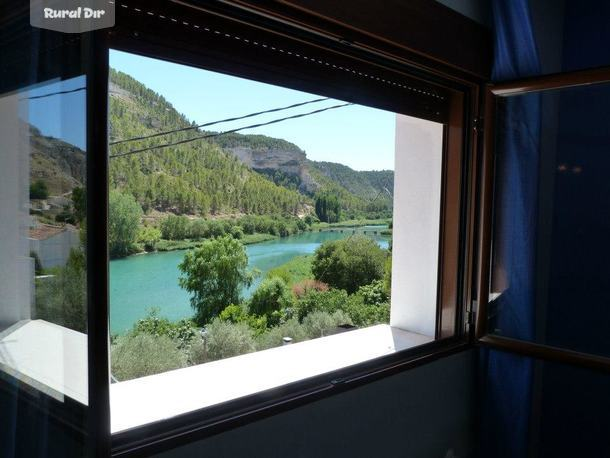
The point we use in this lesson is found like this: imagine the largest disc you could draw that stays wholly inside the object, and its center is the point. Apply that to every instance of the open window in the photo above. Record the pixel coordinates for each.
(542, 274)
(303, 213)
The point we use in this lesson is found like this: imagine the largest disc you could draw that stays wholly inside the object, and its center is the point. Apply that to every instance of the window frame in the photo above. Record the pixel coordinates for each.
(483, 336)
(456, 256)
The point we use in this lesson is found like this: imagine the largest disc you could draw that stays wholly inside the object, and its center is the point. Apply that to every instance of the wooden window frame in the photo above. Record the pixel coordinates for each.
(483, 336)
(457, 228)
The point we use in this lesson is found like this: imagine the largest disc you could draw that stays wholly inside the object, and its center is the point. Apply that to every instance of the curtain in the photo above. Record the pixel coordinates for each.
(506, 378)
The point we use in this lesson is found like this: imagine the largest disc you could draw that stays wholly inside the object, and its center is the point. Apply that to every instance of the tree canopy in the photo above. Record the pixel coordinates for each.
(124, 216)
(214, 274)
(349, 263)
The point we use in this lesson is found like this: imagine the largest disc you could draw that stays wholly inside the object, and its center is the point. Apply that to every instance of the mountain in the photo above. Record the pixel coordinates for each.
(228, 174)
(198, 177)
(60, 165)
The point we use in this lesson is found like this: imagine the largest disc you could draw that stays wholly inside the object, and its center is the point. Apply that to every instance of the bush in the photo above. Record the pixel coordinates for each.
(182, 331)
(303, 287)
(364, 315)
(223, 340)
(320, 324)
(175, 227)
(321, 301)
(374, 293)
(149, 237)
(272, 295)
(39, 190)
(237, 232)
(274, 336)
(62, 299)
(134, 356)
(198, 229)
(236, 314)
(349, 263)
(280, 272)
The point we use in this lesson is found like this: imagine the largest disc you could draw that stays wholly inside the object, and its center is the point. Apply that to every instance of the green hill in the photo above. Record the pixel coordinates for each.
(234, 173)
(197, 177)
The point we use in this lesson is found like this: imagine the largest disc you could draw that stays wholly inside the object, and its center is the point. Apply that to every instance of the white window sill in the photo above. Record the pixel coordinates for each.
(48, 357)
(157, 397)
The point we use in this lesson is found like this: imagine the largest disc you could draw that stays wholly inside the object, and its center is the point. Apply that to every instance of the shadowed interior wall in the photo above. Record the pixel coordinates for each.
(423, 412)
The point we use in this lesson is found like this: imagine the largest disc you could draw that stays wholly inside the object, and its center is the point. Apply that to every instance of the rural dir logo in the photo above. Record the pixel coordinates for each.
(72, 16)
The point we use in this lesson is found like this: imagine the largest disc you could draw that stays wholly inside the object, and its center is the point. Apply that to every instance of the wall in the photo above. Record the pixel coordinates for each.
(423, 412)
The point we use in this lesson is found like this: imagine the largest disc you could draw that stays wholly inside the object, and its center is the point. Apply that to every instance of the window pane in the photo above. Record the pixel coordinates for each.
(552, 217)
(43, 307)
(251, 230)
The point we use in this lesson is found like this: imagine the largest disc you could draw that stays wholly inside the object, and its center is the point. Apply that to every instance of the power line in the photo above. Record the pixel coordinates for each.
(54, 93)
(273, 110)
(218, 134)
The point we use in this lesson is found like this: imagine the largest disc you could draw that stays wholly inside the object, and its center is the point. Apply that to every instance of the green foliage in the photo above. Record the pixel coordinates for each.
(37, 263)
(349, 263)
(191, 178)
(182, 332)
(62, 299)
(79, 202)
(175, 227)
(274, 336)
(272, 295)
(374, 293)
(387, 276)
(149, 236)
(237, 314)
(39, 190)
(223, 339)
(139, 355)
(214, 274)
(328, 207)
(124, 216)
(320, 324)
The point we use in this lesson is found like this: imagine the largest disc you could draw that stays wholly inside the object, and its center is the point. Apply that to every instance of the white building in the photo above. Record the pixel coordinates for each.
(52, 244)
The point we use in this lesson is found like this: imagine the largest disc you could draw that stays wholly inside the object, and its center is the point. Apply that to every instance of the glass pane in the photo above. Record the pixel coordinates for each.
(550, 264)
(251, 236)
(43, 307)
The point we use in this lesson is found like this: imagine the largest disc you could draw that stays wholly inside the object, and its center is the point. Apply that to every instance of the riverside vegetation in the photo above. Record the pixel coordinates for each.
(205, 198)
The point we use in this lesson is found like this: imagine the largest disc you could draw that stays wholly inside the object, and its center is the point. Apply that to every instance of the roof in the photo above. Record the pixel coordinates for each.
(46, 231)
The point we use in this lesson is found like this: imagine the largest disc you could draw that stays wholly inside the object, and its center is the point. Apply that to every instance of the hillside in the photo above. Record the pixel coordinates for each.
(60, 165)
(229, 174)
(195, 178)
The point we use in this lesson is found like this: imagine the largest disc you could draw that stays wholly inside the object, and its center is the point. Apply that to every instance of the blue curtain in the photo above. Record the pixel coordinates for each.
(506, 378)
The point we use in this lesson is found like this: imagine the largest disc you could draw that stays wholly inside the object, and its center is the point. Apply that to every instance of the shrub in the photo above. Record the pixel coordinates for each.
(349, 263)
(223, 340)
(374, 293)
(280, 272)
(321, 301)
(237, 232)
(272, 295)
(62, 299)
(237, 314)
(134, 356)
(175, 227)
(364, 315)
(198, 229)
(182, 331)
(303, 287)
(39, 190)
(320, 324)
(148, 236)
(274, 336)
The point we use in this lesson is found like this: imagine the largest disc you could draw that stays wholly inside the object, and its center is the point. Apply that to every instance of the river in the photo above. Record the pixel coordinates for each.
(140, 282)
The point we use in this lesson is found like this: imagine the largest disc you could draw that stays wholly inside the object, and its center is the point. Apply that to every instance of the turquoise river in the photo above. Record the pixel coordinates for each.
(140, 282)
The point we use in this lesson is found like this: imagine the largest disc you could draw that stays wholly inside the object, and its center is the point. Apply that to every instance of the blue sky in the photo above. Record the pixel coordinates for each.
(357, 136)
